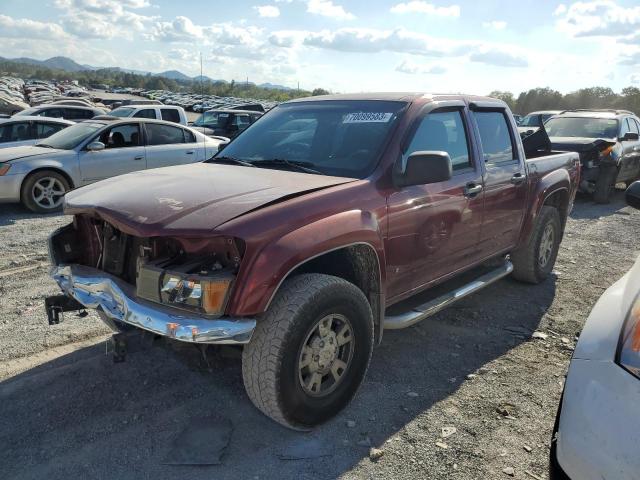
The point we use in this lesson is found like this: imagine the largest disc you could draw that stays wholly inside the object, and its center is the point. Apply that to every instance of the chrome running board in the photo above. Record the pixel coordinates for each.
(419, 313)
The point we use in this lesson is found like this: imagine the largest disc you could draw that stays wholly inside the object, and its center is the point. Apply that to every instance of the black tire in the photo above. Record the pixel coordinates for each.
(605, 184)
(528, 266)
(29, 191)
(272, 359)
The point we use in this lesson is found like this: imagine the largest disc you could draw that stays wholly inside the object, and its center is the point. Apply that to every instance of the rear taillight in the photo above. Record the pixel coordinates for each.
(629, 349)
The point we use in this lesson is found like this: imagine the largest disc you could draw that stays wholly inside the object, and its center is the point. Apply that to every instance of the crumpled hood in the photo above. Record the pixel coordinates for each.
(25, 151)
(579, 144)
(189, 199)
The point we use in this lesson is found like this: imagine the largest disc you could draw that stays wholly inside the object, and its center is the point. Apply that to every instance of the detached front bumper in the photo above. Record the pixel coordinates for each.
(96, 289)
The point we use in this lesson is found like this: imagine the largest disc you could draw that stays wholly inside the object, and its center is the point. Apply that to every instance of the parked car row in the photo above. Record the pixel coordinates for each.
(200, 103)
(12, 98)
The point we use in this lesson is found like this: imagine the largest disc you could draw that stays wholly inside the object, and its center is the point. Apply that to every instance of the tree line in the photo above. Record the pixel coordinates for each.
(118, 78)
(549, 99)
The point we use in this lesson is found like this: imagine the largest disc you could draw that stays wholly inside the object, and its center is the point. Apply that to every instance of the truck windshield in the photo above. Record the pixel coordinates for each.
(71, 137)
(122, 112)
(582, 127)
(340, 138)
(212, 120)
(530, 121)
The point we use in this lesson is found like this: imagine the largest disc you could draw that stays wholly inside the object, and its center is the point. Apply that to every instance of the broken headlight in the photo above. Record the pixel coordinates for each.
(199, 285)
(629, 350)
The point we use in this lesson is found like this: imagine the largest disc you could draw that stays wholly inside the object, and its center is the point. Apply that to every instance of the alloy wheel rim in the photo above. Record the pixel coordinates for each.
(546, 245)
(48, 192)
(326, 355)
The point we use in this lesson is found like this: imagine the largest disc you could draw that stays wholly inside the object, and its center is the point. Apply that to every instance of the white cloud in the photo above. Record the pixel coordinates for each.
(327, 8)
(635, 79)
(419, 6)
(495, 25)
(269, 11)
(631, 58)
(25, 28)
(560, 9)
(103, 18)
(598, 18)
(498, 57)
(412, 68)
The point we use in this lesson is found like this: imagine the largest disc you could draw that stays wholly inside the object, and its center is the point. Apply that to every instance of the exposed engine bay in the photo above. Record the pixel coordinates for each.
(189, 273)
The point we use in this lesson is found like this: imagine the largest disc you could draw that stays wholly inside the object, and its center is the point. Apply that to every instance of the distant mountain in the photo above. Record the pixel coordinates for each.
(173, 75)
(58, 63)
(69, 65)
(274, 87)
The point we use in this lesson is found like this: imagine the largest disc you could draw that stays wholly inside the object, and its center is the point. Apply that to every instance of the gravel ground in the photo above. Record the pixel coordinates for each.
(69, 412)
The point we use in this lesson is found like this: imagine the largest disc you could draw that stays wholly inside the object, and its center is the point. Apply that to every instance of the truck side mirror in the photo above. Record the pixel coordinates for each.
(630, 136)
(633, 195)
(426, 167)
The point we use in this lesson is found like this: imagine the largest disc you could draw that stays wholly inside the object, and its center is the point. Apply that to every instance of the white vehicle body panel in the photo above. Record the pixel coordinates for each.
(599, 427)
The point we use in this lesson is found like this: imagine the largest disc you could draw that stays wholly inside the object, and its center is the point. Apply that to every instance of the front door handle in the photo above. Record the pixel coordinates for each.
(190, 152)
(517, 179)
(138, 158)
(471, 190)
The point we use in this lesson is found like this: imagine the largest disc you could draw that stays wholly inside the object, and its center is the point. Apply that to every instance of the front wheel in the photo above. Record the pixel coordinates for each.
(310, 351)
(43, 191)
(533, 262)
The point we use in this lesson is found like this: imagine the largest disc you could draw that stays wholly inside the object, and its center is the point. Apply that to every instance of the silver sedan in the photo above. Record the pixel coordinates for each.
(40, 175)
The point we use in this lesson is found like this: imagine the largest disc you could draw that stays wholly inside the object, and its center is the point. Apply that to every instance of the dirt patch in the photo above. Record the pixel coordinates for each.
(466, 394)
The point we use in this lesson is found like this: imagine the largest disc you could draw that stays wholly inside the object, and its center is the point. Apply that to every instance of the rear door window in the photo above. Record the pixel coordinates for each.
(495, 137)
(16, 132)
(170, 115)
(158, 134)
(145, 113)
(44, 130)
(52, 112)
(633, 127)
(189, 137)
(443, 132)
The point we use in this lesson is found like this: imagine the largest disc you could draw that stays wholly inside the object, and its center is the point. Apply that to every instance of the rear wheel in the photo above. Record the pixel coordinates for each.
(43, 191)
(533, 262)
(605, 184)
(310, 352)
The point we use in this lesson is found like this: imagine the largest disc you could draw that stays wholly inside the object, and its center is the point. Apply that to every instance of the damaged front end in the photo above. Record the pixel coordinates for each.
(173, 287)
(596, 155)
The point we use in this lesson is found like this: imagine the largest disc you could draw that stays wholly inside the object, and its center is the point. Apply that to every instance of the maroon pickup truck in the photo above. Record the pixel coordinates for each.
(301, 240)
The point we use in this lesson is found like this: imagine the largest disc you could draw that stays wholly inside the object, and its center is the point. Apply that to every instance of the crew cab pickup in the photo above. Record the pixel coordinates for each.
(304, 238)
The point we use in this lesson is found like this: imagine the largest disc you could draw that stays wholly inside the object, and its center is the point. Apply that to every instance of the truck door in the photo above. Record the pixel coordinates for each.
(505, 181)
(434, 229)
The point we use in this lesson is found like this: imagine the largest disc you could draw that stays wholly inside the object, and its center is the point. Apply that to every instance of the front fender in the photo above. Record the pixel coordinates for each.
(547, 185)
(263, 272)
(68, 165)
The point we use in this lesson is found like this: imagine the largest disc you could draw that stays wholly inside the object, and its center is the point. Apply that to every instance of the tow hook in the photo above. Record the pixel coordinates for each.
(119, 346)
(55, 305)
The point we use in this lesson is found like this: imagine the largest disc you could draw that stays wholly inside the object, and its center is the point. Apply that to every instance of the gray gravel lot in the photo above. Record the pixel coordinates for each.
(69, 412)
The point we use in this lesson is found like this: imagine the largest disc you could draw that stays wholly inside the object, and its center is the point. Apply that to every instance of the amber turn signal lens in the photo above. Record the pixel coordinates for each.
(214, 294)
(4, 169)
(635, 319)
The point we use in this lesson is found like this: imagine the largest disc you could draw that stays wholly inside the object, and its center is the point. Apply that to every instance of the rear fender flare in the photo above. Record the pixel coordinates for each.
(553, 182)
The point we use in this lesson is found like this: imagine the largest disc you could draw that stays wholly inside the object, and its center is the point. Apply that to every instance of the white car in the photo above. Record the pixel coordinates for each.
(40, 175)
(597, 432)
(168, 113)
(18, 131)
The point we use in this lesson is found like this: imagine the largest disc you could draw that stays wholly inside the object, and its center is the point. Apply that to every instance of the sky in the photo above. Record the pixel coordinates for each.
(459, 46)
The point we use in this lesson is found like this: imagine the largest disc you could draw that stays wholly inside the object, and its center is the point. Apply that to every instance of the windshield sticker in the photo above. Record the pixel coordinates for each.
(367, 117)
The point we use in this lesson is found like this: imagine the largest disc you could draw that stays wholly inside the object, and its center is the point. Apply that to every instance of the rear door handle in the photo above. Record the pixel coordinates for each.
(517, 179)
(190, 152)
(471, 190)
(138, 158)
